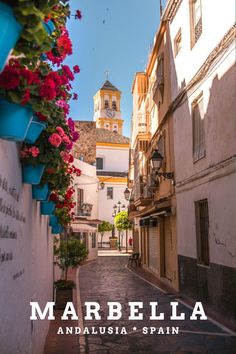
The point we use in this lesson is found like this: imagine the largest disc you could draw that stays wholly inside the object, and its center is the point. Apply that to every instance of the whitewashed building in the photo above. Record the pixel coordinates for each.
(26, 259)
(202, 60)
(86, 210)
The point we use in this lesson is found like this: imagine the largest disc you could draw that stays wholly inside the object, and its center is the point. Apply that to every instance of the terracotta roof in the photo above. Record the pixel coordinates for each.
(107, 136)
(108, 86)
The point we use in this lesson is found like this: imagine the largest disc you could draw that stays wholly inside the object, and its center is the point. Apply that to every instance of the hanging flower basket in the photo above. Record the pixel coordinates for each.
(35, 129)
(40, 192)
(56, 229)
(47, 207)
(9, 34)
(14, 120)
(53, 221)
(32, 174)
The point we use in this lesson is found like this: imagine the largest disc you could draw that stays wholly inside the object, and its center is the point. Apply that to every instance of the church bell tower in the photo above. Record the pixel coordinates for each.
(107, 114)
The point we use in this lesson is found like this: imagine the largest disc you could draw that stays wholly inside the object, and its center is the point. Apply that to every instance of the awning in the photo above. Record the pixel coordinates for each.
(83, 228)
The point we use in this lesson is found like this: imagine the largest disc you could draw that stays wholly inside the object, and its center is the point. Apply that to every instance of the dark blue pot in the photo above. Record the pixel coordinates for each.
(9, 33)
(49, 27)
(57, 229)
(40, 192)
(35, 129)
(32, 174)
(47, 207)
(14, 120)
(53, 221)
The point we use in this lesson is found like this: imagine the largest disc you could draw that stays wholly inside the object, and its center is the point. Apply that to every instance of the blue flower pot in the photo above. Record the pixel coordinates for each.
(35, 129)
(49, 27)
(9, 34)
(40, 192)
(53, 221)
(47, 207)
(14, 120)
(57, 229)
(32, 174)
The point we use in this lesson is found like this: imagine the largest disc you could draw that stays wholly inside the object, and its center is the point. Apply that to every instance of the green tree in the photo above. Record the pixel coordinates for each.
(122, 223)
(103, 227)
(69, 253)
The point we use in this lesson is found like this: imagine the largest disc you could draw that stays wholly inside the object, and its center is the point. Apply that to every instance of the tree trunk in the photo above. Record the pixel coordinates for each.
(126, 231)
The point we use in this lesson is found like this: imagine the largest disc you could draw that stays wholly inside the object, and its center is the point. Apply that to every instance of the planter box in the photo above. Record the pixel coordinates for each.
(14, 120)
(34, 130)
(47, 207)
(49, 27)
(62, 297)
(40, 192)
(9, 34)
(32, 174)
(57, 229)
(53, 221)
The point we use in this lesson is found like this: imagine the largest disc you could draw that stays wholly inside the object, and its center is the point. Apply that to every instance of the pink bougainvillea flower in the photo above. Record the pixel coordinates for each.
(66, 71)
(75, 96)
(66, 139)
(60, 131)
(48, 90)
(76, 69)
(9, 78)
(26, 97)
(55, 140)
(34, 151)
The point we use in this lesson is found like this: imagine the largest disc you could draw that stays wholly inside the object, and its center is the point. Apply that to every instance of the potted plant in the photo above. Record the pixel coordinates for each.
(25, 91)
(40, 191)
(68, 254)
(10, 32)
(32, 166)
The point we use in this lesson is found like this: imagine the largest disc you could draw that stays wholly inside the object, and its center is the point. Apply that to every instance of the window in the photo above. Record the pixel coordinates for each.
(199, 144)
(99, 163)
(107, 126)
(80, 199)
(114, 105)
(115, 128)
(109, 192)
(106, 104)
(202, 231)
(178, 42)
(161, 145)
(93, 240)
(196, 20)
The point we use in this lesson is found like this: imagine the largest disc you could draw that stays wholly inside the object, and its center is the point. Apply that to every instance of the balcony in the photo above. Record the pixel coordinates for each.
(84, 210)
(141, 197)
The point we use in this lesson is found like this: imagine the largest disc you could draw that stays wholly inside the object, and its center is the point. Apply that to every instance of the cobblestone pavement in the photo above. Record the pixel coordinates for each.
(108, 279)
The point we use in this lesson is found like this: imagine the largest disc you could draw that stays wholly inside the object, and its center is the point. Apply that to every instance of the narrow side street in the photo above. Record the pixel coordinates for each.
(108, 279)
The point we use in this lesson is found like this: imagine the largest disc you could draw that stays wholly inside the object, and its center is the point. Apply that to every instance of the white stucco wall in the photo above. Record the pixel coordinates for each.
(29, 275)
(217, 18)
(209, 177)
(114, 159)
(89, 183)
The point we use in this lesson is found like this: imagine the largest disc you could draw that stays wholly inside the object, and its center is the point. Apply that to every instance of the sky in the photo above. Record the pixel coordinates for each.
(114, 36)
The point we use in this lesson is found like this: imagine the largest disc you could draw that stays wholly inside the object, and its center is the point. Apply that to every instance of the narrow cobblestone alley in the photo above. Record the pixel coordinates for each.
(108, 279)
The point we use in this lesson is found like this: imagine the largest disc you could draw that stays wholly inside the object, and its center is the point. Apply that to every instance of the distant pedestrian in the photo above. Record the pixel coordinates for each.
(130, 242)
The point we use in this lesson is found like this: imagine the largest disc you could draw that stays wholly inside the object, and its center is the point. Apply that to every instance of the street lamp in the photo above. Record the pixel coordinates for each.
(117, 208)
(127, 193)
(156, 163)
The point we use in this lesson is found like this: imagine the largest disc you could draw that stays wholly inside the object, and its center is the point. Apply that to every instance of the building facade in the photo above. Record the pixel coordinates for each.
(86, 220)
(153, 203)
(204, 107)
(26, 259)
